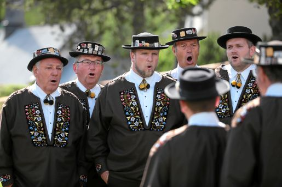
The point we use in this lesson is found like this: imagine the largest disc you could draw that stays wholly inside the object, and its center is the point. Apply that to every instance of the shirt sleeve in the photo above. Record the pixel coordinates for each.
(97, 148)
(6, 161)
(240, 160)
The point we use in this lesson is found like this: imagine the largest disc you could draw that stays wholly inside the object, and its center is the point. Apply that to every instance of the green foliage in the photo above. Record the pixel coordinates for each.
(210, 51)
(34, 16)
(2, 10)
(176, 4)
(273, 5)
(6, 90)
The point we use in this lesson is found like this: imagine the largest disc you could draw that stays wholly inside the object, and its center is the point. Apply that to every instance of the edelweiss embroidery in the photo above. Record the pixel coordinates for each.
(161, 111)
(62, 126)
(5, 178)
(131, 110)
(36, 128)
(223, 109)
(252, 91)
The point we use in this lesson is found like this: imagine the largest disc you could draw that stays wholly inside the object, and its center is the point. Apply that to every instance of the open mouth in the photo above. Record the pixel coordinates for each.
(149, 67)
(91, 74)
(53, 81)
(234, 57)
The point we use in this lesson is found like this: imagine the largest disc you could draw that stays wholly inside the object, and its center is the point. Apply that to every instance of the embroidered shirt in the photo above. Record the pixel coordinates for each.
(208, 119)
(91, 101)
(274, 90)
(234, 91)
(48, 110)
(145, 97)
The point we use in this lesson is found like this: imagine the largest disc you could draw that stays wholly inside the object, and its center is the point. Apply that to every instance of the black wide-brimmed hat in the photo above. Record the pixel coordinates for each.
(48, 52)
(238, 32)
(90, 48)
(184, 34)
(196, 84)
(269, 54)
(145, 40)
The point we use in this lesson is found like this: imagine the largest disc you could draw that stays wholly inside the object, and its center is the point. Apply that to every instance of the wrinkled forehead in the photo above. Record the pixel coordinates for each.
(89, 57)
(51, 62)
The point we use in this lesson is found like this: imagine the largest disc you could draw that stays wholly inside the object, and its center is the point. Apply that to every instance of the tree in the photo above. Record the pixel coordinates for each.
(275, 13)
(112, 22)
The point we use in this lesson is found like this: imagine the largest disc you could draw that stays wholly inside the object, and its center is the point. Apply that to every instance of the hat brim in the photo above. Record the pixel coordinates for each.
(223, 39)
(75, 54)
(222, 86)
(38, 58)
(181, 39)
(149, 48)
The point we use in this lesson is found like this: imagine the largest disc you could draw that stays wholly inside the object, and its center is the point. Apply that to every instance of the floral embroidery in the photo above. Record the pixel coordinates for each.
(223, 109)
(83, 178)
(62, 126)
(36, 127)
(161, 111)
(131, 110)
(5, 178)
(252, 91)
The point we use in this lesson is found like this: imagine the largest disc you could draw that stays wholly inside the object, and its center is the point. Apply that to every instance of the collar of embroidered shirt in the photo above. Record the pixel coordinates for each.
(95, 89)
(208, 119)
(131, 76)
(233, 73)
(274, 90)
(41, 94)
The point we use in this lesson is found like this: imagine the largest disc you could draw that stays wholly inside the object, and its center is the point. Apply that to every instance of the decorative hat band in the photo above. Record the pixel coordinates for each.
(45, 51)
(269, 56)
(138, 43)
(89, 48)
(184, 33)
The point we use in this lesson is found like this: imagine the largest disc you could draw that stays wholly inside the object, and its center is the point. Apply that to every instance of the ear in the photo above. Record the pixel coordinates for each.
(74, 67)
(132, 56)
(35, 70)
(173, 49)
(217, 100)
(252, 50)
(183, 106)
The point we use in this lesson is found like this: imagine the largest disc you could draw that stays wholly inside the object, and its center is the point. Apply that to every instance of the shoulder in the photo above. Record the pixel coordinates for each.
(167, 79)
(240, 115)
(68, 85)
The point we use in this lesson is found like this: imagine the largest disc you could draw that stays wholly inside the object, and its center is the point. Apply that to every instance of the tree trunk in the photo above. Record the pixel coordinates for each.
(138, 20)
(275, 22)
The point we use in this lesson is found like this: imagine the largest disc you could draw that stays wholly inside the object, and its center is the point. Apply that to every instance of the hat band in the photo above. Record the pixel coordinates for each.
(89, 48)
(47, 51)
(137, 43)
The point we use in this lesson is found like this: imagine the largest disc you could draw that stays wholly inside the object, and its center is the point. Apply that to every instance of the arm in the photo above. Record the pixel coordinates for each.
(157, 169)
(240, 160)
(97, 148)
(6, 161)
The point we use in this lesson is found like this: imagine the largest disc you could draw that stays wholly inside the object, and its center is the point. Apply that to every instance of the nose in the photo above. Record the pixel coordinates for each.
(150, 57)
(189, 48)
(92, 65)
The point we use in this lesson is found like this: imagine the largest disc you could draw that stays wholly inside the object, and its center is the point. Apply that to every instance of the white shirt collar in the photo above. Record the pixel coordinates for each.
(131, 76)
(36, 90)
(274, 90)
(208, 119)
(232, 72)
(96, 89)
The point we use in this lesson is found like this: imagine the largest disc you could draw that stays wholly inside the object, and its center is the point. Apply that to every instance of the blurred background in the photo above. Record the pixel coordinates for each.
(27, 25)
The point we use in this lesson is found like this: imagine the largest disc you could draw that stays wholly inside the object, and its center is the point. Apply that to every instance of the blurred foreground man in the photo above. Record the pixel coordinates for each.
(253, 154)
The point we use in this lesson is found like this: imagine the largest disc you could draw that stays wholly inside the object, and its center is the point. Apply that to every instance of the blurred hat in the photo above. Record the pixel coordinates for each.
(184, 34)
(238, 32)
(90, 48)
(196, 84)
(145, 40)
(48, 52)
(268, 54)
